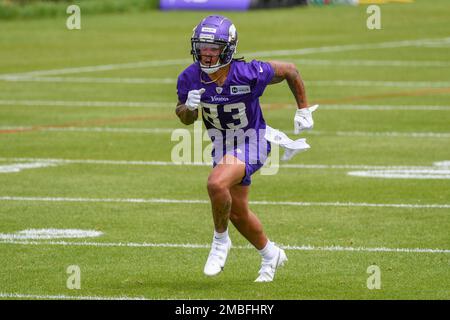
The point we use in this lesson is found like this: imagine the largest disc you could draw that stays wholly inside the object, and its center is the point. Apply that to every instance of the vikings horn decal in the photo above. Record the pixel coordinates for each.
(232, 33)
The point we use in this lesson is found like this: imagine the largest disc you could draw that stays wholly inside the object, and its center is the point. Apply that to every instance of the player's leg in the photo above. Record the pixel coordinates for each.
(228, 172)
(248, 224)
(245, 221)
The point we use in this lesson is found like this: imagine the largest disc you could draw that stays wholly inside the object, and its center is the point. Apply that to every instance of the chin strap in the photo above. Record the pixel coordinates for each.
(211, 69)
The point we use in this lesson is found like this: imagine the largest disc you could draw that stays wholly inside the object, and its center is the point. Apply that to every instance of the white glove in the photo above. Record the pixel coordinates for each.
(193, 100)
(303, 119)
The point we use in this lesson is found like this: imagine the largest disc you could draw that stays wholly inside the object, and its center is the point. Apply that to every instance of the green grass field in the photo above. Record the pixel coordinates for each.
(385, 105)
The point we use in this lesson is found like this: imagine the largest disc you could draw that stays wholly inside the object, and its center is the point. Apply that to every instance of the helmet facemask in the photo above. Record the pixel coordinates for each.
(206, 54)
(209, 55)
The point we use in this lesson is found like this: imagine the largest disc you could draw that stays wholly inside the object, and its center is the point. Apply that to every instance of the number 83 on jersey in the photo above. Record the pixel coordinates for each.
(225, 116)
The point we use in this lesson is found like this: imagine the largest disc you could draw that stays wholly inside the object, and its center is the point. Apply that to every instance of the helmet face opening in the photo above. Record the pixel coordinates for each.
(208, 54)
(213, 43)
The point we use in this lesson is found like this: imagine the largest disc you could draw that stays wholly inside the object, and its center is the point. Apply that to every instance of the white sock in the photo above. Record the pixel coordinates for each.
(221, 237)
(269, 251)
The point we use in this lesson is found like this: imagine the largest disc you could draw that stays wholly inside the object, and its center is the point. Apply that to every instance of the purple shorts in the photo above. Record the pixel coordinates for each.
(254, 155)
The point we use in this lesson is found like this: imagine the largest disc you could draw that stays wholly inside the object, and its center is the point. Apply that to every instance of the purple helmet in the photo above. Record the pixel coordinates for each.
(218, 31)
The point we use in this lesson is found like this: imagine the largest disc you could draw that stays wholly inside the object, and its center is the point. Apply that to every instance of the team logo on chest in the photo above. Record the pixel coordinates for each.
(219, 99)
(219, 90)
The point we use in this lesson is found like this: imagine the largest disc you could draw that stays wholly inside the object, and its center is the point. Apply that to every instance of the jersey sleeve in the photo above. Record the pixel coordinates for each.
(262, 73)
(182, 87)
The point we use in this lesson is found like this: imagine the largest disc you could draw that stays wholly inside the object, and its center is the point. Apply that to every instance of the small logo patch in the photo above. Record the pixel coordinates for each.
(206, 29)
(239, 89)
(219, 90)
(206, 36)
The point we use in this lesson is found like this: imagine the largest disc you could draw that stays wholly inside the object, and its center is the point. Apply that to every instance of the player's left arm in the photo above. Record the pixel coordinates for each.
(289, 72)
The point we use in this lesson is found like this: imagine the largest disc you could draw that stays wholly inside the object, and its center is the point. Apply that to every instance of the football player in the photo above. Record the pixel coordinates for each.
(227, 90)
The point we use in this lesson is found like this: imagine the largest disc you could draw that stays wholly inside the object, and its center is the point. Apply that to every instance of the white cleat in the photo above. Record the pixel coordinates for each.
(268, 268)
(217, 258)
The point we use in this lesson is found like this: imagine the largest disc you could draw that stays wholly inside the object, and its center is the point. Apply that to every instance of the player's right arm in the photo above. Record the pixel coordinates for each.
(186, 116)
(289, 72)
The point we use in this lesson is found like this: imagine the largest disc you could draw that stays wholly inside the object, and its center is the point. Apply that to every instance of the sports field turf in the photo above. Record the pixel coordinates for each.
(385, 109)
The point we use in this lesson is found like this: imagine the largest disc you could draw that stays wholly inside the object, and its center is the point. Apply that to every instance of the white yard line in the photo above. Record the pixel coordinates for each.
(98, 129)
(173, 81)
(117, 130)
(443, 135)
(198, 201)
(371, 63)
(208, 246)
(106, 67)
(390, 84)
(382, 107)
(169, 163)
(350, 47)
(258, 54)
(63, 297)
(116, 162)
(17, 167)
(170, 81)
(436, 173)
(60, 103)
(46, 234)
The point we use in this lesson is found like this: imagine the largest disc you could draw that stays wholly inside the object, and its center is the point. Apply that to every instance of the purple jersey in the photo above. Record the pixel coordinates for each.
(234, 105)
(231, 113)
